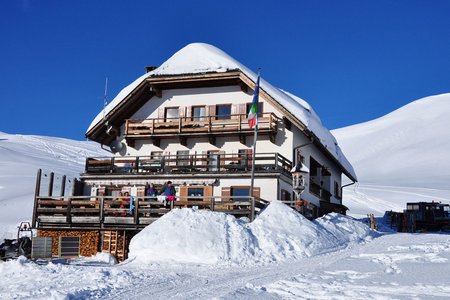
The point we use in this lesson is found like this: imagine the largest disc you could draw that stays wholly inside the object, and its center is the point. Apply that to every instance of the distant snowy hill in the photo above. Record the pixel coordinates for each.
(401, 157)
(20, 157)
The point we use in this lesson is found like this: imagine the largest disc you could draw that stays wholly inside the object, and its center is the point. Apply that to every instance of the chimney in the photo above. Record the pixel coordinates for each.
(150, 68)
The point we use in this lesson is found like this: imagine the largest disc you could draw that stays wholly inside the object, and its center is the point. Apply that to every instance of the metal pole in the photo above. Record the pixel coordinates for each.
(255, 138)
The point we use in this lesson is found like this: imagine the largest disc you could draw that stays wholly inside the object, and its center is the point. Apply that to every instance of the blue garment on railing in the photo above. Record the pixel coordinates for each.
(131, 205)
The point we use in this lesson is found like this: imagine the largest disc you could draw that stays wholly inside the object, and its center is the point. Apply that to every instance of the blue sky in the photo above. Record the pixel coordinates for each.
(351, 60)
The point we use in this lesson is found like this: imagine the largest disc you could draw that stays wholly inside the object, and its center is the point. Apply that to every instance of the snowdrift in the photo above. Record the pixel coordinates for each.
(278, 233)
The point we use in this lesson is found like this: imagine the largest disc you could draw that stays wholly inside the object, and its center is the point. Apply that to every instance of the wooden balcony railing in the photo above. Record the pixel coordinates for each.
(98, 212)
(205, 125)
(215, 162)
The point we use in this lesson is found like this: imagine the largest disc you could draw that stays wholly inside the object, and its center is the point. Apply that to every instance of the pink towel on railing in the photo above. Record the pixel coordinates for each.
(171, 198)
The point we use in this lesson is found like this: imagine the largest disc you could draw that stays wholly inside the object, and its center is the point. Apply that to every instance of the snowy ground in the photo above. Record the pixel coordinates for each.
(393, 266)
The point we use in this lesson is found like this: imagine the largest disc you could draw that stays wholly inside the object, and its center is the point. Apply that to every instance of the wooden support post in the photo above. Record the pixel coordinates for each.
(240, 122)
(50, 184)
(86, 166)
(252, 209)
(69, 211)
(171, 204)
(136, 210)
(102, 211)
(36, 195)
(74, 184)
(212, 203)
(112, 165)
(63, 186)
(276, 161)
(137, 164)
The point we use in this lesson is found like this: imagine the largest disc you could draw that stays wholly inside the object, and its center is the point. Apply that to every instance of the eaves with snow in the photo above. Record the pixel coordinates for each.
(200, 58)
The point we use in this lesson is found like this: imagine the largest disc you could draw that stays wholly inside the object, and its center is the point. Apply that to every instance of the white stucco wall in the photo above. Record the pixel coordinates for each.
(286, 140)
(207, 96)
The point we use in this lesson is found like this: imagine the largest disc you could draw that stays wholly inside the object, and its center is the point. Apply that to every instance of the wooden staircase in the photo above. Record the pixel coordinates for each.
(115, 242)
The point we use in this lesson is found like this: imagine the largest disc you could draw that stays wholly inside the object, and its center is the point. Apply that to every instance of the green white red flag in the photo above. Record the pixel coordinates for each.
(253, 113)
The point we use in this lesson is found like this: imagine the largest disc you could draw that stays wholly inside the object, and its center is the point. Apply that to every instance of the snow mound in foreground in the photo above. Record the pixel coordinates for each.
(279, 233)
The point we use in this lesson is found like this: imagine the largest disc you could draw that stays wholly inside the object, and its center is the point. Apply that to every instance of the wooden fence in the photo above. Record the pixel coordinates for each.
(106, 212)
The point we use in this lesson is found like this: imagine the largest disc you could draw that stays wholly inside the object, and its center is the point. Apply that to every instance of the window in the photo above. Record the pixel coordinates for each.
(245, 157)
(198, 113)
(337, 190)
(223, 112)
(260, 108)
(285, 195)
(183, 158)
(156, 155)
(171, 114)
(314, 177)
(69, 246)
(243, 191)
(195, 191)
(213, 160)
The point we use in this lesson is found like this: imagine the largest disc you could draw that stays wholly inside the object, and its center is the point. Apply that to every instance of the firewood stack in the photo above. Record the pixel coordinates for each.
(89, 240)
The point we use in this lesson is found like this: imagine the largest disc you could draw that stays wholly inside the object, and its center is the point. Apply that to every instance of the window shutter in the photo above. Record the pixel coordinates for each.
(211, 110)
(207, 192)
(183, 193)
(182, 112)
(189, 113)
(234, 111)
(256, 192)
(161, 115)
(243, 109)
(226, 193)
(140, 191)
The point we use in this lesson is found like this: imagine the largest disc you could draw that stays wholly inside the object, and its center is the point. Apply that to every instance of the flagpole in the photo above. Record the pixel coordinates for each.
(255, 138)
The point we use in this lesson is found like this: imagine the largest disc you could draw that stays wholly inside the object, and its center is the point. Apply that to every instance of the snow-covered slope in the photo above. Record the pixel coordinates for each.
(20, 157)
(400, 157)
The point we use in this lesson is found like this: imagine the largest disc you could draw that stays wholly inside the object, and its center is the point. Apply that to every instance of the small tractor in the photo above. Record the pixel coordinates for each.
(429, 216)
(13, 248)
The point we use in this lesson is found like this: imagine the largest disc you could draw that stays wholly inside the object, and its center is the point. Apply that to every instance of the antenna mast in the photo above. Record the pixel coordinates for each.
(105, 99)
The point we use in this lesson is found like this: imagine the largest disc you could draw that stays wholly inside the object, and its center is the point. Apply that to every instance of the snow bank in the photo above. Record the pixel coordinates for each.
(185, 235)
(278, 233)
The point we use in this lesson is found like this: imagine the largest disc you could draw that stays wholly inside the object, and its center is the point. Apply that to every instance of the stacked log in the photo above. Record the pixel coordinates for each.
(89, 240)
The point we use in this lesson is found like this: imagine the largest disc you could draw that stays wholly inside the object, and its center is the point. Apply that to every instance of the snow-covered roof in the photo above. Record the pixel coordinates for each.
(199, 58)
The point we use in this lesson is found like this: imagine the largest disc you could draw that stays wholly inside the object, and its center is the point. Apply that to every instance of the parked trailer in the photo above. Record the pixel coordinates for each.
(430, 216)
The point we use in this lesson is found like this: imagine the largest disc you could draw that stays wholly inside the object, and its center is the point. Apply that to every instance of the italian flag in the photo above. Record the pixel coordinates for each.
(253, 113)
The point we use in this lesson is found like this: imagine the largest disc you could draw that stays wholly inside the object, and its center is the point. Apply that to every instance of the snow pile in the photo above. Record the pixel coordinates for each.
(185, 235)
(279, 233)
(198, 58)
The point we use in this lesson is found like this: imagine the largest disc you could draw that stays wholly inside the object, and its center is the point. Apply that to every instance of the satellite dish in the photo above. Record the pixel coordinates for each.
(116, 146)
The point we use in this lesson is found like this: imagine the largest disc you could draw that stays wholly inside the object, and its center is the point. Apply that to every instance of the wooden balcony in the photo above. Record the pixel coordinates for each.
(208, 163)
(206, 126)
(106, 212)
